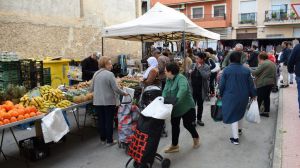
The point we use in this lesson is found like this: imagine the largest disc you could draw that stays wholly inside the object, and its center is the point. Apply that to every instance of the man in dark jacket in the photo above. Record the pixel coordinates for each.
(89, 66)
(294, 66)
(253, 58)
(286, 52)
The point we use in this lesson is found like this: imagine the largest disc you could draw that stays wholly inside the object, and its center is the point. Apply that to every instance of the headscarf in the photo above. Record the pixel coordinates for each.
(152, 64)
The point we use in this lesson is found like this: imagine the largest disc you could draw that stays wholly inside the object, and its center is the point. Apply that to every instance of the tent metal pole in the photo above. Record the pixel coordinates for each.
(102, 43)
(142, 40)
(183, 41)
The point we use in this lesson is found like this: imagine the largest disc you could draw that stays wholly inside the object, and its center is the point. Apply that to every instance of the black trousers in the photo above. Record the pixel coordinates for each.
(212, 82)
(105, 122)
(188, 123)
(263, 95)
(199, 101)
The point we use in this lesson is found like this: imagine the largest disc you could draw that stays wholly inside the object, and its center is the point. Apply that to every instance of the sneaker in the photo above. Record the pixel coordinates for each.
(264, 114)
(111, 143)
(103, 142)
(172, 149)
(240, 131)
(200, 123)
(164, 133)
(196, 143)
(284, 86)
(235, 141)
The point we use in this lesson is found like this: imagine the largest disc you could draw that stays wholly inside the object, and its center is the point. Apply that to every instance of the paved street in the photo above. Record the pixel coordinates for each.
(254, 151)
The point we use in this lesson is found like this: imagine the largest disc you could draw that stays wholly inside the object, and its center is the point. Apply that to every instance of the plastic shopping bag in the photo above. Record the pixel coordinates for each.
(252, 115)
(157, 109)
(216, 111)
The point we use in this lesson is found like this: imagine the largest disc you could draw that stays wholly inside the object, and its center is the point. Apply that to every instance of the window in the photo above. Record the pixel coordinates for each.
(197, 12)
(219, 10)
(248, 7)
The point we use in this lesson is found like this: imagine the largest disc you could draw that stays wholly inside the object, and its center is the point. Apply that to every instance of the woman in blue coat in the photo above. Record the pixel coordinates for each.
(235, 89)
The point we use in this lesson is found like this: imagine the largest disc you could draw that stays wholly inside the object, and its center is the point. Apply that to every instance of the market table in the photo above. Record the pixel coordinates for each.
(9, 126)
(74, 109)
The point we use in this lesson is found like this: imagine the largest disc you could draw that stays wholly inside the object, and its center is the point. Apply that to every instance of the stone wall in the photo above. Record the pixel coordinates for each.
(39, 32)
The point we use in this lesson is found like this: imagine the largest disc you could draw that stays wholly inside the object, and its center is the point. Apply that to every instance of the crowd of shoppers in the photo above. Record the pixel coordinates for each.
(242, 78)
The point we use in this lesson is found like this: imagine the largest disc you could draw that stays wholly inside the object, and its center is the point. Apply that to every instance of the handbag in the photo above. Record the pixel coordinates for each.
(216, 111)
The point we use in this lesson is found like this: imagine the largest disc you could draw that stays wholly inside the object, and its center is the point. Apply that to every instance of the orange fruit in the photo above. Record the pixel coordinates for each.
(13, 119)
(20, 117)
(6, 121)
(32, 114)
(19, 106)
(21, 111)
(1, 123)
(9, 103)
(27, 110)
(14, 113)
(33, 109)
(38, 113)
(6, 116)
(26, 116)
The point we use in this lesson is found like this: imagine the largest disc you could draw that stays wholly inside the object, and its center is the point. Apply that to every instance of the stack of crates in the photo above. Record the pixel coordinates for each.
(9, 73)
(32, 73)
(47, 76)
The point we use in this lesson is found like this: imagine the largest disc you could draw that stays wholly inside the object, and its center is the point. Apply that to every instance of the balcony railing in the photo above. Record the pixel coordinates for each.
(247, 18)
(280, 15)
(206, 17)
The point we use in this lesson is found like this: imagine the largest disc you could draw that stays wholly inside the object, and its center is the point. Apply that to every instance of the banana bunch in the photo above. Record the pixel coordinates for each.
(64, 104)
(46, 106)
(45, 89)
(54, 95)
(37, 102)
(25, 100)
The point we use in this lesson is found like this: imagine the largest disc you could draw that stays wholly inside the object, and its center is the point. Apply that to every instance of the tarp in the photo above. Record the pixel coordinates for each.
(158, 24)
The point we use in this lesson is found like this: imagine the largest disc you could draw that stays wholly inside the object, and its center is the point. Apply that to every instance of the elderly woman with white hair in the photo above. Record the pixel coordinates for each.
(150, 76)
(238, 47)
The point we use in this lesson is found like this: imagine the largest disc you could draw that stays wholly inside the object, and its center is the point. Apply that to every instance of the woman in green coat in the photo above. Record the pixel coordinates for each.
(177, 92)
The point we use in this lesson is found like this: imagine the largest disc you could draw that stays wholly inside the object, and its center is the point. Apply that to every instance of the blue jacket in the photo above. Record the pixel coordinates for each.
(285, 56)
(294, 61)
(235, 89)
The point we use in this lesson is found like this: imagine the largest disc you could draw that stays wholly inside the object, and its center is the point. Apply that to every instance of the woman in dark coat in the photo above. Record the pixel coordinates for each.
(199, 80)
(235, 89)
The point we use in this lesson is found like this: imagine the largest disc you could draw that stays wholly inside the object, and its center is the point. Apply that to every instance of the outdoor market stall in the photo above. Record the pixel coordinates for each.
(159, 23)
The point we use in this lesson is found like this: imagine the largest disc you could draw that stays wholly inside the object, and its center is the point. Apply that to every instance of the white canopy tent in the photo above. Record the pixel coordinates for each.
(160, 23)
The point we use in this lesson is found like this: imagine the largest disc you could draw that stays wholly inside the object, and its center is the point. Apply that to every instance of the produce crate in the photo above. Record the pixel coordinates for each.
(11, 65)
(32, 73)
(4, 84)
(47, 76)
(11, 75)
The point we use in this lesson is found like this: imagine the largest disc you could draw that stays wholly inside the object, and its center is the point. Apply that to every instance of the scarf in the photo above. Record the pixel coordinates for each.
(152, 64)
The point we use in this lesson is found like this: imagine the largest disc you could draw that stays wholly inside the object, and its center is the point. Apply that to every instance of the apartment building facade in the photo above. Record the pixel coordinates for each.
(264, 23)
(214, 15)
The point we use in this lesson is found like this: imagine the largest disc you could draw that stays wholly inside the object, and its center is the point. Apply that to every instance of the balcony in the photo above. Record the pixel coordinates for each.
(247, 18)
(281, 17)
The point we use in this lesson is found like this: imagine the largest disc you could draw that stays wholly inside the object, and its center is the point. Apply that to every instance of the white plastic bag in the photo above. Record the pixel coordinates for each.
(252, 115)
(130, 91)
(54, 126)
(157, 109)
(217, 68)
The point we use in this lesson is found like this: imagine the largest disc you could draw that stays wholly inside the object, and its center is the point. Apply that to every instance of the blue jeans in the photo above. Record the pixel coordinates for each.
(298, 88)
